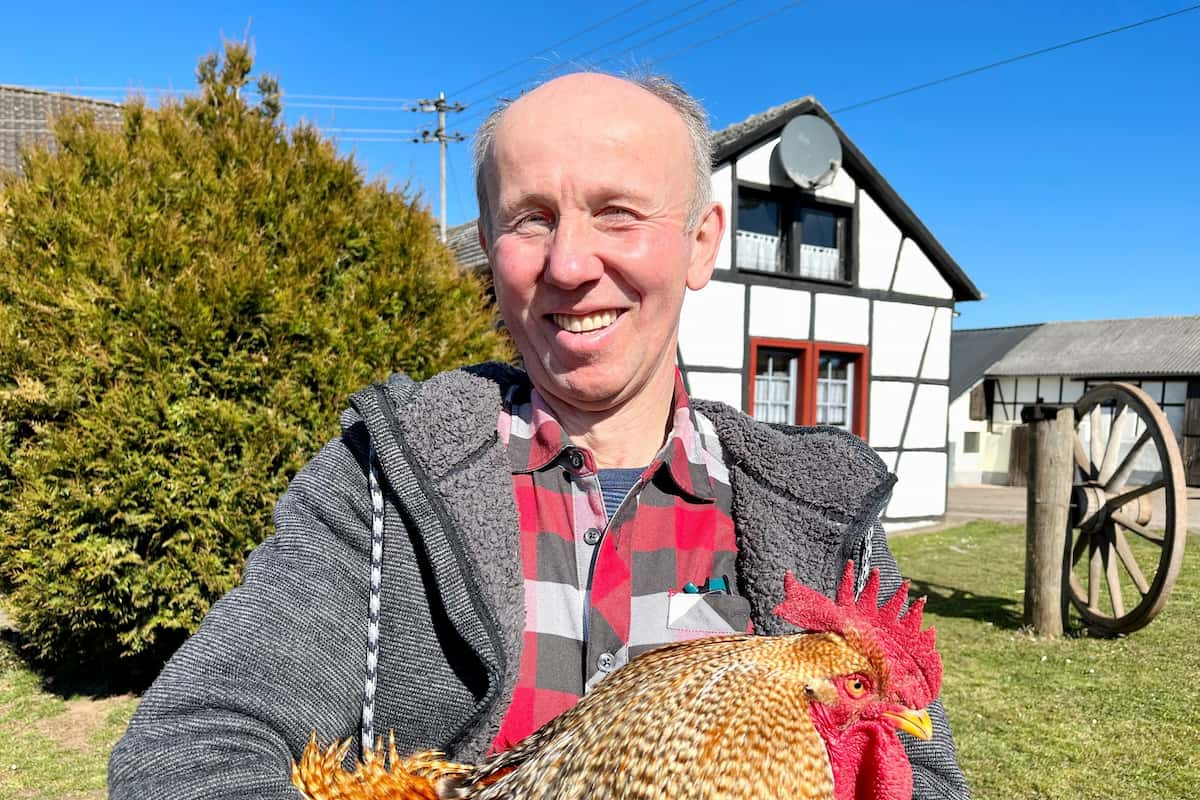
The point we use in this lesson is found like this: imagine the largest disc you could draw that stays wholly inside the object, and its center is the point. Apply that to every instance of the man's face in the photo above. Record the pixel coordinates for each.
(589, 188)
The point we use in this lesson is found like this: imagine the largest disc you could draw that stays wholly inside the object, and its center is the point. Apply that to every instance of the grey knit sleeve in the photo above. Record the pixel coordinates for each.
(936, 774)
(277, 658)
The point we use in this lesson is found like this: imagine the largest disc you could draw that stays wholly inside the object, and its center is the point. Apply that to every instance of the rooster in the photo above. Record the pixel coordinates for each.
(810, 715)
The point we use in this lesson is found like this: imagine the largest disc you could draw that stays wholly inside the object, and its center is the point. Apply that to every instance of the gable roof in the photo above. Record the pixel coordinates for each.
(752, 131)
(972, 351)
(26, 114)
(463, 241)
(1108, 348)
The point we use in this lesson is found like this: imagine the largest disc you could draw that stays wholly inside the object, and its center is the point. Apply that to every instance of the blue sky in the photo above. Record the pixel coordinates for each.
(1065, 185)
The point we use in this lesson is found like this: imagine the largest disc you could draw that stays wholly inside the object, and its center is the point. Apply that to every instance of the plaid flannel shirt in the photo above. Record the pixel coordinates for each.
(599, 591)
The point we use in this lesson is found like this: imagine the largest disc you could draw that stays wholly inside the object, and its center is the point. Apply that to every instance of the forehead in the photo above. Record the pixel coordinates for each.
(589, 127)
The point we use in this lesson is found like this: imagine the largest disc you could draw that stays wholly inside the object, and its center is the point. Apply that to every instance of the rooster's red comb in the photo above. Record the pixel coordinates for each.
(913, 661)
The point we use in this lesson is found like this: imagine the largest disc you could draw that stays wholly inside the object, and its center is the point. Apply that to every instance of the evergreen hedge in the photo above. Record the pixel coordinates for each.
(185, 306)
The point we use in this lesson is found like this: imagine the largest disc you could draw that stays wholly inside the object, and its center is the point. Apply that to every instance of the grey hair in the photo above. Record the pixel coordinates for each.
(694, 117)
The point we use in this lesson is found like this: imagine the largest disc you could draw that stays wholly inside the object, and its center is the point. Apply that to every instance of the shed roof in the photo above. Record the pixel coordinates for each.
(25, 116)
(972, 351)
(1111, 348)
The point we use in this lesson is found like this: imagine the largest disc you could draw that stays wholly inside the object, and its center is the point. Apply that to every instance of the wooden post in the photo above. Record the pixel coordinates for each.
(1048, 497)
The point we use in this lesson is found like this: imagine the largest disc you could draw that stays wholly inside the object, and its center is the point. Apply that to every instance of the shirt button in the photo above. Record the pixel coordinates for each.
(606, 662)
(591, 535)
(575, 458)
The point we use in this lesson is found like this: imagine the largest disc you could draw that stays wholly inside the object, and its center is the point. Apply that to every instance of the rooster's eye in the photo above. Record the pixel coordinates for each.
(856, 688)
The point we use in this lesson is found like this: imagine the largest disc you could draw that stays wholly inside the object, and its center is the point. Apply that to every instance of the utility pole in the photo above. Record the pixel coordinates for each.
(441, 137)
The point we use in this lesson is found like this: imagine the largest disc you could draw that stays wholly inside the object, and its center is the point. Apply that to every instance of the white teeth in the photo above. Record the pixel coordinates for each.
(585, 323)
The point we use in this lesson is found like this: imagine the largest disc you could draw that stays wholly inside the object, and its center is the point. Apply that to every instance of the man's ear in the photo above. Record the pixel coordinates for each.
(705, 244)
(481, 232)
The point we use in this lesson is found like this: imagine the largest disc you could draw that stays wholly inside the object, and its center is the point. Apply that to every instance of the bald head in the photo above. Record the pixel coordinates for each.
(590, 101)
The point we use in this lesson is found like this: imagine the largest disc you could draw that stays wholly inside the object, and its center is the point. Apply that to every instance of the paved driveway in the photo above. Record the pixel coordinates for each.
(1007, 504)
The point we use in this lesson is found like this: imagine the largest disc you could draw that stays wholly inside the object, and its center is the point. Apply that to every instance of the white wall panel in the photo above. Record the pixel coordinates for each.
(920, 487)
(842, 188)
(722, 192)
(1154, 389)
(888, 407)
(760, 166)
(1072, 390)
(937, 355)
(916, 274)
(723, 386)
(898, 338)
(1175, 392)
(1006, 390)
(878, 240)
(1026, 389)
(842, 318)
(710, 328)
(779, 313)
(927, 424)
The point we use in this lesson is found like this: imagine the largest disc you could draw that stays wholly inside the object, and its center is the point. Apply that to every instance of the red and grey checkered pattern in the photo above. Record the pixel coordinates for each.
(600, 591)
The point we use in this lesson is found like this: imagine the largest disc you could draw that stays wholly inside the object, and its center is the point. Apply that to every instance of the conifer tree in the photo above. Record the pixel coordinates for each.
(186, 303)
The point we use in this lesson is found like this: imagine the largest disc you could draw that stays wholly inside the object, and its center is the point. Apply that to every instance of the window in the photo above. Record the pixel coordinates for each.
(809, 383)
(776, 385)
(835, 390)
(970, 441)
(780, 232)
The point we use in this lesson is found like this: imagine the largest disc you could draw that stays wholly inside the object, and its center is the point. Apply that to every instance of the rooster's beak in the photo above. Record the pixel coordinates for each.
(917, 723)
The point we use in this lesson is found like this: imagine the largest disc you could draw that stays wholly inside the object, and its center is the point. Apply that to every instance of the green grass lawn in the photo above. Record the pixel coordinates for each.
(1074, 718)
(1077, 718)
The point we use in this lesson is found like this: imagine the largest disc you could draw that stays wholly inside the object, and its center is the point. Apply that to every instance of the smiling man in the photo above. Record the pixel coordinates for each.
(476, 551)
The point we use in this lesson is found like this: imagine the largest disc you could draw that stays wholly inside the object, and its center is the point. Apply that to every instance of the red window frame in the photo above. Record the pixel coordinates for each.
(806, 393)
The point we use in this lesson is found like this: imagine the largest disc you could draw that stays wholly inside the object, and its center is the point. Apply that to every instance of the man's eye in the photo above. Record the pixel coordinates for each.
(535, 219)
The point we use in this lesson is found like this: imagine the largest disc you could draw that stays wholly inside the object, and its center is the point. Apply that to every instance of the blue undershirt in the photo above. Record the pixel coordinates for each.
(615, 484)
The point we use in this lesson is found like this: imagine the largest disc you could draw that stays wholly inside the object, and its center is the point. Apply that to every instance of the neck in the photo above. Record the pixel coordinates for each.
(626, 435)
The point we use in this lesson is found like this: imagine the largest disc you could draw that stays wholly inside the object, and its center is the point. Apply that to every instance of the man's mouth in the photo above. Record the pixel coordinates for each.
(585, 323)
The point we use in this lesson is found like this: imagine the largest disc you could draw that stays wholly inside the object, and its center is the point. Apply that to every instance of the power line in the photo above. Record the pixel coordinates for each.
(1013, 60)
(725, 33)
(552, 47)
(584, 55)
(251, 89)
(675, 29)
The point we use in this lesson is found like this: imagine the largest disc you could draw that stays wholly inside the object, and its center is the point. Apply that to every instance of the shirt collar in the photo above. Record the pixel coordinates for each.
(534, 439)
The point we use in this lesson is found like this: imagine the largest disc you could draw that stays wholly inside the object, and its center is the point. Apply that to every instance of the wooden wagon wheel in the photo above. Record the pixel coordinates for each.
(1128, 517)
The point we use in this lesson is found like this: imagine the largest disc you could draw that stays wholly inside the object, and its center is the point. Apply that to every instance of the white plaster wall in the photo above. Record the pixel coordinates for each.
(779, 313)
(898, 338)
(916, 274)
(842, 318)
(1175, 392)
(723, 386)
(927, 423)
(964, 467)
(759, 165)
(920, 487)
(937, 354)
(722, 192)
(711, 325)
(1026, 390)
(842, 189)
(878, 240)
(1072, 390)
(888, 405)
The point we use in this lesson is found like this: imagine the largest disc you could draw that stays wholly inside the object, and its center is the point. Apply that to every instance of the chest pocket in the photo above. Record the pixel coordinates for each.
(708, 614)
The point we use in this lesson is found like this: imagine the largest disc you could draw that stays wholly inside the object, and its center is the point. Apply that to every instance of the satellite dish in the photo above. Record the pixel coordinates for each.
(810, 152)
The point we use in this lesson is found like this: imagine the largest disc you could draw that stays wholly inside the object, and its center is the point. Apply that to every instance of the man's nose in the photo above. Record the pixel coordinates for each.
(573, 259)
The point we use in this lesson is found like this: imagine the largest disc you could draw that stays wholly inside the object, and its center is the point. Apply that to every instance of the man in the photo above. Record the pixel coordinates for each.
(475, 552)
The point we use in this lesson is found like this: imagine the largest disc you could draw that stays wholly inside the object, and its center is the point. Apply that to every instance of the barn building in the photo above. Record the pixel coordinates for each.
(828, 306)
(997, 372)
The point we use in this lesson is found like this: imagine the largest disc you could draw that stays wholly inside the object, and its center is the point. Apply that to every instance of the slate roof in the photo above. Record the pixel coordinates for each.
(463, 241)
(25, 116)
(741, 136)
(972, 351)
(1110, 348)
